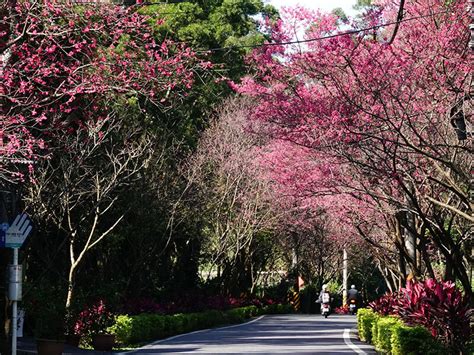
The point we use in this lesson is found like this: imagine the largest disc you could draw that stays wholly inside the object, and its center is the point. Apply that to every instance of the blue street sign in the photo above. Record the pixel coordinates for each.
(18, 231)
(3, 230)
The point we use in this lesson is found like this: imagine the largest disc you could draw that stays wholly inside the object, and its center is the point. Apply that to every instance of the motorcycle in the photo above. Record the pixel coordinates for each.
(325, 309)
(325, 304)
(352, 307)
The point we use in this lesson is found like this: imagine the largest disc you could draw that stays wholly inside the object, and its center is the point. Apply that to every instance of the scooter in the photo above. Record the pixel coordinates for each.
(325, 309)
(352, 307)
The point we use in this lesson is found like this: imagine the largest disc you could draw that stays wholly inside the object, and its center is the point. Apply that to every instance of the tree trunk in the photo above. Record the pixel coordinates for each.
(70, 286)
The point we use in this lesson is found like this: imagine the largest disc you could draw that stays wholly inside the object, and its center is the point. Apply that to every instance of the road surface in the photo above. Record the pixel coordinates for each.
(270, 334)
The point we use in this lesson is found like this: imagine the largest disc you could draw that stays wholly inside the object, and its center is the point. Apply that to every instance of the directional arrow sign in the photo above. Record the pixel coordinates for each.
(18, 231)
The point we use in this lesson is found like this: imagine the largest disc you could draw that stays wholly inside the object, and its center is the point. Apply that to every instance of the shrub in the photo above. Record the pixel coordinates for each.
(383, 332)
(142, 305)
(239, 314)
(365, 319)
(417, 340)
(386, 305)
(439, 307)
(344, 309)
(123, 328)
(95, 319)
(374, 330)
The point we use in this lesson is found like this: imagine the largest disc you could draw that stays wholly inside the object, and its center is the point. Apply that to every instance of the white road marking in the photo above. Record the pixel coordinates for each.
(195, 332)
(347, 340)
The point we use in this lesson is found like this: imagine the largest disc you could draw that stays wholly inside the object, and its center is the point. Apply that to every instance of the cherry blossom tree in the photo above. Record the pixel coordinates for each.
(62, 63)
(223, 180)
(369, 121)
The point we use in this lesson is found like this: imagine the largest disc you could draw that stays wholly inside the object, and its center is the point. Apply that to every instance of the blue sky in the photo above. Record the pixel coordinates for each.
(328, 5)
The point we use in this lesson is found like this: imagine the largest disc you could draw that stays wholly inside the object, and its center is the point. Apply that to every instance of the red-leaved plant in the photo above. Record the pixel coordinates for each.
(439, 306)
(386, 305)
(94, 320)
(344, 309)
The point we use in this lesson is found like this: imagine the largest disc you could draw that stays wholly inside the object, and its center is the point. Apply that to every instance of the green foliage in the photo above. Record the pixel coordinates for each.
(205, 25)
(339, 12)
(390, 335)
(237, 315)
(45, 305)
(407, 340)
(374, 330)
(365, 320)
(147, 327)
(383, 333)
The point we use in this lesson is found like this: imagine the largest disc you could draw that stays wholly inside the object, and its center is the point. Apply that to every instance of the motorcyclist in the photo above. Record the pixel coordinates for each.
(352, 294)
(324, 295)
(352, 299)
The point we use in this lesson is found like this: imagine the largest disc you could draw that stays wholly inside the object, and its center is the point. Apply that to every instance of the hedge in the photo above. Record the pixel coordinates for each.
(390, 335)
(145, 327)
(417, 340)
(365, 320)
(382, 337)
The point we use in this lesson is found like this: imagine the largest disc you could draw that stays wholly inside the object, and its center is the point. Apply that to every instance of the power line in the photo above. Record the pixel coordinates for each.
(350, 32)
(230, 48)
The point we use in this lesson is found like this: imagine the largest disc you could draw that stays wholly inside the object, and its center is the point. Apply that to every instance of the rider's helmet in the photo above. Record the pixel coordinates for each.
(353, 287)
(325, 287)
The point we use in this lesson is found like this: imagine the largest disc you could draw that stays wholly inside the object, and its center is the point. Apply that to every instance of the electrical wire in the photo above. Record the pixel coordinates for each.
(268, 44)
(350, 32)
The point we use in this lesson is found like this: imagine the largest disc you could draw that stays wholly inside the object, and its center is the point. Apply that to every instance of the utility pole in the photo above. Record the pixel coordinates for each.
(344, 276)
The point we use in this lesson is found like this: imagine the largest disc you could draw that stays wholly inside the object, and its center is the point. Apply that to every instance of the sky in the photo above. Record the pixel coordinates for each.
(328, 5)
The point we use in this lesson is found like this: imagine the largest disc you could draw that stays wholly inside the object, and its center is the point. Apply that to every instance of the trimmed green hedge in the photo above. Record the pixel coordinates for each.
(147, 327)
(382, 337)
(417, 340)
(390, 335)
(366, 318)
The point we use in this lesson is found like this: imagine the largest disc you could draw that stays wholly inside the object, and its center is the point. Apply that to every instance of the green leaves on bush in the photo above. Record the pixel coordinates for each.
(417, 340)
(365, 320)
(391, 335)
(383, 333)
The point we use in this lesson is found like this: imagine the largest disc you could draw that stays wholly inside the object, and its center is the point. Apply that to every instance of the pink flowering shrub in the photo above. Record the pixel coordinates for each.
(94, 320)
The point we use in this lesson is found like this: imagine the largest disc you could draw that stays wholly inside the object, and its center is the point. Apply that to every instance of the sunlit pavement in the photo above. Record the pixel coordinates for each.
(272, 334)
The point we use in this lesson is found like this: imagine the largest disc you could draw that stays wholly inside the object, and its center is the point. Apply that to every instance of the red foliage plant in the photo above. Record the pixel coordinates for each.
(190, 303)
(94, 320)
(386, 305)
(344, 309)
(439, 306)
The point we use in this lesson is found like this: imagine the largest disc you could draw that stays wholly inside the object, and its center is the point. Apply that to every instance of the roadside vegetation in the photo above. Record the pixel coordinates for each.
(185, 164)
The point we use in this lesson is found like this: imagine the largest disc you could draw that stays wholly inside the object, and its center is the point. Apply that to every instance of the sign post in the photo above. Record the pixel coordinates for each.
(15, 235)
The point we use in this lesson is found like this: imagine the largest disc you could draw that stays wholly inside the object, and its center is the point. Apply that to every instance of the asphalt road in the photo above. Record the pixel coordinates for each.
(272, 334)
